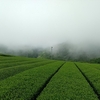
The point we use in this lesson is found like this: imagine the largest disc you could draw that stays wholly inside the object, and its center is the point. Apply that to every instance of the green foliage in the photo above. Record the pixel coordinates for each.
(24, 78)
(92, 72)
(10, 63)
(68, 84)
(96, 60)
(10, 71)
(25, 85)
(5, 55)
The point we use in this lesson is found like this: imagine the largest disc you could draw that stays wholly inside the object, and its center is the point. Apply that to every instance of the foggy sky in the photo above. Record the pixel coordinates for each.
(48, 22)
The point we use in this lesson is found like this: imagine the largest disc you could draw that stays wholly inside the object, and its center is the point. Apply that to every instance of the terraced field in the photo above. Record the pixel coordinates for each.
(42, 79)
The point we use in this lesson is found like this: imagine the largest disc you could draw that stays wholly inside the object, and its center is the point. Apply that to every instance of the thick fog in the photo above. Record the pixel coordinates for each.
(49, 22)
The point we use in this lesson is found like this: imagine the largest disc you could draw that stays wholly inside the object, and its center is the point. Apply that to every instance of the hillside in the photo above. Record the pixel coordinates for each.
(23, 78)
(62, 51)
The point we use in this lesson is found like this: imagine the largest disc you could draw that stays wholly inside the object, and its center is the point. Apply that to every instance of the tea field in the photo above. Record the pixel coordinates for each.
(43, 79)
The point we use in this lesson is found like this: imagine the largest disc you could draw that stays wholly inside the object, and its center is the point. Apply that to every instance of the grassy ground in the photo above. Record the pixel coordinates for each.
(24, 78)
